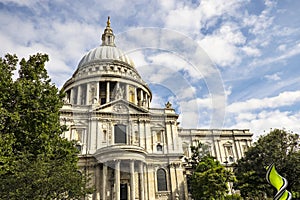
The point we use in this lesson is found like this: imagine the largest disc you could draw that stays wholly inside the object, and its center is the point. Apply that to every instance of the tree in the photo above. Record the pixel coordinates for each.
(35, 161)
(209, 179)
(279, 147)
(7, 116)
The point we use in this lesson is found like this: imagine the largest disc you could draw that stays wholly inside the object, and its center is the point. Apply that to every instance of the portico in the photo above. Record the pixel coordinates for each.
(126, 180)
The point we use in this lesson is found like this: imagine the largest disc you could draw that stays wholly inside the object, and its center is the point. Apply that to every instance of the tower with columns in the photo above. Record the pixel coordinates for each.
(130, 150)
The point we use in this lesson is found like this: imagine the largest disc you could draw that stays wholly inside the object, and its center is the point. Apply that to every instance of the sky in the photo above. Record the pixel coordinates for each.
(230, 64)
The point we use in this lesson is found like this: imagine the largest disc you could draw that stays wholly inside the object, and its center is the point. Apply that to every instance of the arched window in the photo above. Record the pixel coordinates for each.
(161, 180)
(78, 147)
(158, 147)
(120, 134)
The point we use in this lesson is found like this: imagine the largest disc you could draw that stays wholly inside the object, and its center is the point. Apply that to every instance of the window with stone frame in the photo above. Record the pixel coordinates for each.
(229, 150)
(161, 180)
(120, 134)
(104, 135)
(136, 137)
(245, 148)
(159, 148)
(77, 134)
(185, 147)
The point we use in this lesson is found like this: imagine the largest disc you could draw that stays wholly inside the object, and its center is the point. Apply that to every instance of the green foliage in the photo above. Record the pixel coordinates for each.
(35, 161)
(7, 117)
(233, 197)
(209, 179)
(198, 152)
(279, 147)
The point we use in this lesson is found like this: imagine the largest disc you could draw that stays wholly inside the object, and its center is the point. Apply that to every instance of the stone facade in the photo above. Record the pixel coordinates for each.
(130, 150)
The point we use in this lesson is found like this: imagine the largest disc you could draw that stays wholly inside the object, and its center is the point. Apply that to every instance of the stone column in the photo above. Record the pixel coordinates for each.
(104, 174)
(107, 92)
(87, 95)
(132, 181)
(117, 180)
(79, 95)
(72, 96)
(142, 184)
(146, 181)
(146, 101)
(97, 181)
(135, 96)
(98, 92)
(173, 180)
(151, 181)
(142, 97)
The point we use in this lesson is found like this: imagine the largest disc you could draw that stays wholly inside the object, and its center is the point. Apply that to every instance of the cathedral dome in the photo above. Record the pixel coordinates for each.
(106, 74)
(105, 52)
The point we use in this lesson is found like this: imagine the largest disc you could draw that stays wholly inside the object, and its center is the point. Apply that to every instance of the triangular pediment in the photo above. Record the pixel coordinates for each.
(120, 107)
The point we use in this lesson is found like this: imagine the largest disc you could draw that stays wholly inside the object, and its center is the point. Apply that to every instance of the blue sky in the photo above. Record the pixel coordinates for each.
(221, 63)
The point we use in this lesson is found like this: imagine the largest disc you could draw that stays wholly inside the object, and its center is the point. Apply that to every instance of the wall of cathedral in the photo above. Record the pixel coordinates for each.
(151, 141)
(227, 146)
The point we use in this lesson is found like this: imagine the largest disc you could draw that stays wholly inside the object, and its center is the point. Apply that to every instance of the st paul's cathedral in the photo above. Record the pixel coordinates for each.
(130, 150)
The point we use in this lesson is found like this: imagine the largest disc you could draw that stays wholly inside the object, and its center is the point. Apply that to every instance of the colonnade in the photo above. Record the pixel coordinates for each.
(119, 167)
(90, 93)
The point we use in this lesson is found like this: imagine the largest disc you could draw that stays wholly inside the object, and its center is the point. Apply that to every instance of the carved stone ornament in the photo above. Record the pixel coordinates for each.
(168, 105)
(120, 108)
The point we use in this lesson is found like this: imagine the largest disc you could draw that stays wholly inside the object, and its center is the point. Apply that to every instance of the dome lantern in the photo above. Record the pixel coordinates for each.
(108, 38)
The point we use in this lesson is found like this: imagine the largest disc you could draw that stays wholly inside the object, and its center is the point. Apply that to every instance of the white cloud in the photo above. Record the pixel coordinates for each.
(292, 51)
(265, 120)
(273, 77)
(221, 52)
(20, 3)
(259, 23)
(251, 51)
(282, 47)
(287, 98)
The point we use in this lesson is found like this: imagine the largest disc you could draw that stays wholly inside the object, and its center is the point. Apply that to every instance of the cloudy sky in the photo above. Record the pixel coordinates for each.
(221, 63)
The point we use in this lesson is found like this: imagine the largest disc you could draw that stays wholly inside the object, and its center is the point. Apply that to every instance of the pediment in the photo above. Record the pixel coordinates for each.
(157, 127)
(227, 143)
(120, 107)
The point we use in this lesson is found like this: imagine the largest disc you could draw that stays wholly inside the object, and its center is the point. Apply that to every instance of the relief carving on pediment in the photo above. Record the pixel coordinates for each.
(120, 108)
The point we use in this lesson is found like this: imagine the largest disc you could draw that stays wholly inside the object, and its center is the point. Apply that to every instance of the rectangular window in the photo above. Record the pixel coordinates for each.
(77, 134)
(245, 148)
(229, 150)
(120, 134)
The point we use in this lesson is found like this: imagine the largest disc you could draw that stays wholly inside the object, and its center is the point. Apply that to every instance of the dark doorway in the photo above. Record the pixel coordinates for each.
(123, 192)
